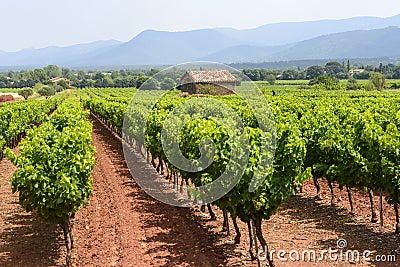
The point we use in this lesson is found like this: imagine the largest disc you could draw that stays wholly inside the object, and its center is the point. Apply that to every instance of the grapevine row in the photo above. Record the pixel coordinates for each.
(54, 163)
(16, 118)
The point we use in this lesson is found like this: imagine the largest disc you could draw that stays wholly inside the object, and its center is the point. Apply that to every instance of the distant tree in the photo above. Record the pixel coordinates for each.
(150, 84)
(141, 79)
(37, 86)
(64, 85)
(319, 79)
(58, 88)
(152, 72)
(362, 75)
(4, 82)
(119, 82)
(369, 68)
(291, 74)
(352, 84)
(108, 81)
(25, 92)
(52, 71)
(81, 75)
(122, 73)
(102, 80)
(11, 74)
(130, 81)
(114, 74)
(253, 74)
(167, 84)
(335, 69)
(98, 76)
(270, 78)
(89, 82)
(46, 91)
(378, 80)
(85, 83)
(314, 72)
(98, 83)
(264, 73)
(38, 75)
(67, 73)
(348, 65)
(396, 72)
(24, 83)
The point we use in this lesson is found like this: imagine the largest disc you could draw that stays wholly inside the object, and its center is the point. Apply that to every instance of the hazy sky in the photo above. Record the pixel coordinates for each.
(41, 23)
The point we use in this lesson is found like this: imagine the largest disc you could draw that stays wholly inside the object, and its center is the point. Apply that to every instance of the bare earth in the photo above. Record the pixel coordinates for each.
(123, 226)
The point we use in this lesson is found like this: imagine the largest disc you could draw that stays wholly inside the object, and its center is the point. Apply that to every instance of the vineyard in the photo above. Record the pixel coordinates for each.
(349, 140)
(18, 117)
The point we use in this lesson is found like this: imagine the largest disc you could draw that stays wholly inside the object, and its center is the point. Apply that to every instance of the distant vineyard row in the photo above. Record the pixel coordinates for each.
(16, 118)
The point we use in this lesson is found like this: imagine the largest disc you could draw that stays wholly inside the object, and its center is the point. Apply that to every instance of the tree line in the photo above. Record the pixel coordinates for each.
(135, 78)
(78, 78)
(332, 69)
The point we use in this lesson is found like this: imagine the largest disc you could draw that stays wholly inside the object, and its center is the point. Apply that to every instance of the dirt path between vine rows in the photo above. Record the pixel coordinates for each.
(123, 226)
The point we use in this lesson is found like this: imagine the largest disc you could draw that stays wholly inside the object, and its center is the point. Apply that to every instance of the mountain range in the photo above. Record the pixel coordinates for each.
(359, 37)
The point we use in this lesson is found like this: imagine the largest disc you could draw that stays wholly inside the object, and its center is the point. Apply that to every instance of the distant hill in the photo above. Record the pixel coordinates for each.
(245, 53)
(353, 44)
(360, 37)
(55, 54)
(292, 32)
(160, 47)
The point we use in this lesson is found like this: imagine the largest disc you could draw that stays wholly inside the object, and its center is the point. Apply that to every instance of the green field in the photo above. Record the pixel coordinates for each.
(9, 90)
(300, 87)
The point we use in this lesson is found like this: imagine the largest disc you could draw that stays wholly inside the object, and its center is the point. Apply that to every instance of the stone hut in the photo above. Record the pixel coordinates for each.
(216, 82)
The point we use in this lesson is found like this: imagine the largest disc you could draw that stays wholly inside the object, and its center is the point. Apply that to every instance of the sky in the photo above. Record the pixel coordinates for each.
(42, 23)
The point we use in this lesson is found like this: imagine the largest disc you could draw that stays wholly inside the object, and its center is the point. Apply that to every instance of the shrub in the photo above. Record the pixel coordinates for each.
(46, 91)
(167, 84)
(25, 92)
(352, 84)
(326, 83)
(378, 80)
(270, 79)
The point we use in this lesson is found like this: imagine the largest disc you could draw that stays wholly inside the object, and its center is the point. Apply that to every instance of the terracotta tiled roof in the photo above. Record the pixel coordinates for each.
(211, 76)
